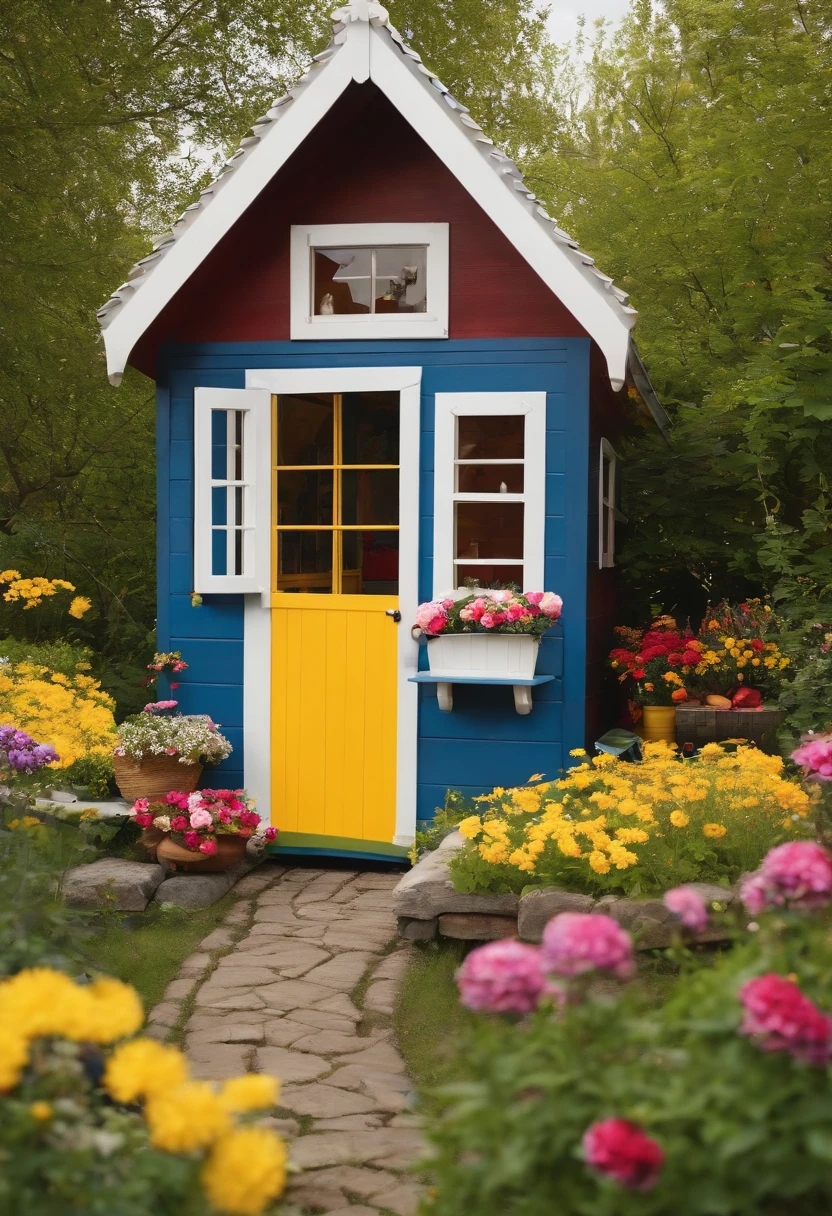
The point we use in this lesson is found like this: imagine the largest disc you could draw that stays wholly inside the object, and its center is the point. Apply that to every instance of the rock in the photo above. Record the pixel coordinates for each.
(403, 1199)
(427, 891)
(324, 1101)
(112, 883)
(225, 1030)
(418, 930)
(336, 1148)
(218, 1061)
(477, 926)
(329, 1041)
(322, 1020)
(241, 977)
(292, 1066)
(380, 1056)
(177, 990)
(394, 966)
(342, 972)
(283, 1032)
(195, 964)
(341, 1005)
(193, 890)
(380, 997)
(711, 893)
(292, 994)
(217, 940)
(222, 998)
(353, 1076)
(538, 907)
(165, 1014)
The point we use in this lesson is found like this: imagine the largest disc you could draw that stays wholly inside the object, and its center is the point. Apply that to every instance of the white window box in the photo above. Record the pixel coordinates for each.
(394, 276)
(504, 656)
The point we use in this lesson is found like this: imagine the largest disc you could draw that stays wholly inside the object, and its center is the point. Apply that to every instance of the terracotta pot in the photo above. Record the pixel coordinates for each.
(230, 851)
(659, 723)
(154, 777)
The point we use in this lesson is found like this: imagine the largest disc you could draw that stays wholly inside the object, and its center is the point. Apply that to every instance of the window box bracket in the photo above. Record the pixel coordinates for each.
(445, 688)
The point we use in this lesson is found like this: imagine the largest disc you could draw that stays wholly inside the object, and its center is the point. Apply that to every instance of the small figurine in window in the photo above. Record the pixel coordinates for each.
(327, 305)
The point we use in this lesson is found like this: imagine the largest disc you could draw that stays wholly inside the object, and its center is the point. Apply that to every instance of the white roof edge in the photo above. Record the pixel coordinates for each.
(365, 46)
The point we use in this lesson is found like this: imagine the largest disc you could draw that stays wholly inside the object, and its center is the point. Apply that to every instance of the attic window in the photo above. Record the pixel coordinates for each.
(370, 281)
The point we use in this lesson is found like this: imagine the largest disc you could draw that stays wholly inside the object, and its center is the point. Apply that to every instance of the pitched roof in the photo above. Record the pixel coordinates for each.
(366, 46)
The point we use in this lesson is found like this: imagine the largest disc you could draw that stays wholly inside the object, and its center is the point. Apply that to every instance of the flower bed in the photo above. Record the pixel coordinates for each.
(611, 827)
(69, 713)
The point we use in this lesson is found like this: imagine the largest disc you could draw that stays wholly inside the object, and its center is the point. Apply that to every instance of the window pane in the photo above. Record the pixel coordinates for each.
(219, 551)
(490, 478)
(219, 505)
(304, 497)
(370, 428)
(343, 281)
(489, 529)
(371, 563)
(219, 445)
(304, 561)
(401, 277)
(370, 496)
(304, 429)
(486, 575)
(490, 437)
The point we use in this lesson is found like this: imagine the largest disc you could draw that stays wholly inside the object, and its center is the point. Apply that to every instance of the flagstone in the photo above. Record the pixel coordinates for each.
(351, 1123)
(277, 914)
(292, 994)
(343, 971)
(288, 1067)
(226, 1031)
(218, 1061)
(195, 964)
(381, 1056)
(319, 911)
(165, 1014)
(330, 1041)
(354, 1076)
(218, 940)
(381, 996)
(223, 999)
(403, 1198)
(322, 1020)
(324, 1101)
(282, 1032)
(339, 1004)
(336, 1148)
(242, 977)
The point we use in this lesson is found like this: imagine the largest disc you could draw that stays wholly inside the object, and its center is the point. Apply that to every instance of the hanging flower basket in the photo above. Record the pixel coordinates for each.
(159, 751)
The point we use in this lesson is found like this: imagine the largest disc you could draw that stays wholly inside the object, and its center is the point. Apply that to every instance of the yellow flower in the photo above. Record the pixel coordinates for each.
(679, 819)
(569, 846)
(115, 1012)
(536, 777)
(186, 1118)
(28, 821)
(711, 751)
(622, 858)
(578, 751)
(470, 827)
(41, 1111)
(748, 654)
(14, 1056)
(43, 1002)
(143, 1068)
(599, 862)
(631, 835)
(255, 1091)
(521, 860)
(79, 606)
(729, 643)
(495, 853)
(715, 830)
(245, 1171)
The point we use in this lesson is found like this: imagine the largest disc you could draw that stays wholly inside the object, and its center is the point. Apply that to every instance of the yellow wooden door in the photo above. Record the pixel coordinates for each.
(334, 638)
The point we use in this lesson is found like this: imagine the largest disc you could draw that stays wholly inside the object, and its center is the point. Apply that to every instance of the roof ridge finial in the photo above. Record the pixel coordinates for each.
(362, 10)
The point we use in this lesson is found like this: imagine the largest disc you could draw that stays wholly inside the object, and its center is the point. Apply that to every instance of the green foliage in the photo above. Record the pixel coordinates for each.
(806, 698)
(58, 655)
(744, 1132)
(431, 833)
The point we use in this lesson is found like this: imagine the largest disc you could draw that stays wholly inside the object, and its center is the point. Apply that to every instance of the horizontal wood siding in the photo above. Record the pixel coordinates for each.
(483, 742)
(362, 164)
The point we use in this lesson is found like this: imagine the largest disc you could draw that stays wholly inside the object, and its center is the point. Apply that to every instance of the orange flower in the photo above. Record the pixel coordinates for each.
(678, 695)
(650, 687)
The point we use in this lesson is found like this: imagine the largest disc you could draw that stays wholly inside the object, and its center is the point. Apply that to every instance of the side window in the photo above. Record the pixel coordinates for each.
(232, 448)
(489, 489)
(609, 503)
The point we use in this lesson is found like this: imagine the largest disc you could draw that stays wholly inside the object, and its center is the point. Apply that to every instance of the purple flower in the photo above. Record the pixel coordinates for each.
(576, 942)
(797, 873)
(504, 977)
(20, 752)
(686, 903)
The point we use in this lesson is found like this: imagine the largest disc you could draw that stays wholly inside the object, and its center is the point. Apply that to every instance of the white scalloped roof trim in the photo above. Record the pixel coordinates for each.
(505, 169)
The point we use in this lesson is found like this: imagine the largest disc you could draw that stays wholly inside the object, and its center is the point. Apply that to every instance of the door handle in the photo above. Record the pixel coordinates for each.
(394, 612)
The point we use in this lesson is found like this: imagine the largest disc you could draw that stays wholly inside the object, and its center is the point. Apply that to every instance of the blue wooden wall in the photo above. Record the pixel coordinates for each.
(483, 742)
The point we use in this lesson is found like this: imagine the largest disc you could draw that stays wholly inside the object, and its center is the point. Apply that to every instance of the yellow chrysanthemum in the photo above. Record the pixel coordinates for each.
(599, 862)
(245, 1172)
(679, 819)
(577, 751)
(41, 1111)
(255, 1091)
(143, 1068)
(714, 830)
(186, 1118)
(14, 1056)
(631, 835)
(79, 606)
(470, 827)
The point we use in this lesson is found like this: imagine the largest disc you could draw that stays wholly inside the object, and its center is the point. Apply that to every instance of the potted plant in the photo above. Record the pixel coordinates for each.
(494, 632)
(202, 830)
(654, 659)
(158, 751)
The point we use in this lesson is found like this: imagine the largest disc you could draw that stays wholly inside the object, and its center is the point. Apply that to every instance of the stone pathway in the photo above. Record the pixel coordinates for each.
(300, 982)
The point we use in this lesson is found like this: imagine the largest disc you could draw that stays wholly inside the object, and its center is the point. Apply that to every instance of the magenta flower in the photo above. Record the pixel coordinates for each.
(504, 977)
(781, 1018)
(192, 840)
(797, 873)
(533, 597)
(623, 1152)
(208, 847)
(576, 942)
(686, 903)
(432, 617)
(815, 757)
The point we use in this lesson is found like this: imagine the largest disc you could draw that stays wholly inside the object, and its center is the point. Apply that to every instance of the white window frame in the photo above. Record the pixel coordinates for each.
(608, 512)
(431, 324)
(255, 406)
(450, 407)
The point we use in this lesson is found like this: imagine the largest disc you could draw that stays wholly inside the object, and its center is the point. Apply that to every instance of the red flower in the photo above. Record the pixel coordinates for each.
(623, 1152)
(192, 840)
(690, 658)
(757, 644)
(179, 823)
(747, 698)
(144, 820)
(675, 659)
(208, 847)
(639, 673)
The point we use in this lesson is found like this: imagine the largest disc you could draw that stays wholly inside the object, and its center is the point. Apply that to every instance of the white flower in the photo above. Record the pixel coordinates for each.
(194, 800)
(162, 822)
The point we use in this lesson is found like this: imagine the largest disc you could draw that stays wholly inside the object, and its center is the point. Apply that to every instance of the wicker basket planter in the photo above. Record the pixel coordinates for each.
(230, 851)
(698, 724)
(154, 777)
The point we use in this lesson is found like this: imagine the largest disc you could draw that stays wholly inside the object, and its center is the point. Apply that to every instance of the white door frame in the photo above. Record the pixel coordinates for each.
(257, 629)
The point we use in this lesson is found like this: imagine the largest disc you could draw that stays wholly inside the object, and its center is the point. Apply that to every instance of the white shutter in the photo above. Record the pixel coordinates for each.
(232, 496)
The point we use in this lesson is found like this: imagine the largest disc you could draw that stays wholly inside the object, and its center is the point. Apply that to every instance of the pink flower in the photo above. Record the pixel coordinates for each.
(686, 903)
(234, 804)
(815, 756)
(466, 614)
(623, 1152)
(798, 873)
(533, 597)
(488, 620)
(140, 805)
(448, 603)
(192, 840)
(170, 751)
(144, 819)
(500, 597)
(515, 611)
(551, 605)
(576, 942)
(270, 834)
(224, 816)
(153, 707)
(179, 824)
(208, 847)
(781, 1018)
(177, 799)
(504, 977)
(250, 819)
(432, 617)
(201, 819)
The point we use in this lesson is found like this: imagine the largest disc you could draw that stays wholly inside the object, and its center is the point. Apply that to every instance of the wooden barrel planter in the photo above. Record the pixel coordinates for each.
(698, 724)
(154, 777)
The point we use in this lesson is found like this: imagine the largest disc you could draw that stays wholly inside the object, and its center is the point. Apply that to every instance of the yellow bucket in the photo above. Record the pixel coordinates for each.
(659, 723)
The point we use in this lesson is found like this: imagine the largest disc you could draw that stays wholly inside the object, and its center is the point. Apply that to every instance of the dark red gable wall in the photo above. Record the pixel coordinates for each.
(362, 164)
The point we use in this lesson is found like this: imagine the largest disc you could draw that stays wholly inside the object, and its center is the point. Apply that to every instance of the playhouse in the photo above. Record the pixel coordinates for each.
(382, 369)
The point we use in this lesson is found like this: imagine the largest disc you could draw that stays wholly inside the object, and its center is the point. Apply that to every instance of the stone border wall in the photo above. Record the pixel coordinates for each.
(427, 905)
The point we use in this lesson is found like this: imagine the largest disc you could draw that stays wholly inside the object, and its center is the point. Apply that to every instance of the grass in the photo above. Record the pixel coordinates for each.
(146, 949)
(429, 1021)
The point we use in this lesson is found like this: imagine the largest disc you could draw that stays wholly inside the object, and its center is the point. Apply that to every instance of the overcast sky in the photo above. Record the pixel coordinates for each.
(565, 13)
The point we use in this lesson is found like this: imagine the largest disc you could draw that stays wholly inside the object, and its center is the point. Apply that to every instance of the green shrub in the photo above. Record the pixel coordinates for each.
(745, 1132)
(63, 656)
